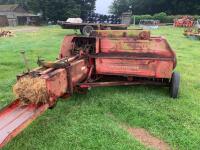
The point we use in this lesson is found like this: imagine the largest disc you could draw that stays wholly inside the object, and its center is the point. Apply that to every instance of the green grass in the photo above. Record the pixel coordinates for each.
(84, 122)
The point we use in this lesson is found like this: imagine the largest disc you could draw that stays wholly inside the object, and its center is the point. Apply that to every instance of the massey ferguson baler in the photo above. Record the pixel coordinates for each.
(106, 58)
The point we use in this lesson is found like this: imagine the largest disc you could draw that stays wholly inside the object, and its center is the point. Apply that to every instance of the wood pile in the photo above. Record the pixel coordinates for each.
(6, 33)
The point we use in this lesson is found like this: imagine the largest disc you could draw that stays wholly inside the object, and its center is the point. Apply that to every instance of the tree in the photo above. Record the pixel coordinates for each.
(86, 6)
(62, 9)
(171, 7)
(120, 6)
(57, 9)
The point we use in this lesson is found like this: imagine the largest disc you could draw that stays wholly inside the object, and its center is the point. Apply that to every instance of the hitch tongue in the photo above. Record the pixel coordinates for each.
(25, 60)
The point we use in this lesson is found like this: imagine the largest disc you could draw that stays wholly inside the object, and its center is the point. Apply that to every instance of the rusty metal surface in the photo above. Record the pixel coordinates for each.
(57, 81)
(128, 55)
(144, 68)
(15, 118)
(119, 83)
(156, 46)
(74, 45)
(132, 56)
(66, 47)
(113, 80)
(134, 34)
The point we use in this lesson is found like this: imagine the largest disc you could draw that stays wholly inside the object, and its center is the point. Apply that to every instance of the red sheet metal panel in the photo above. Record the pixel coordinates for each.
(139, 68)
(128, 53)
(15, 118)
(57, 82)
(79, 71)
(66, 47)
(134, 34)
(156, 46)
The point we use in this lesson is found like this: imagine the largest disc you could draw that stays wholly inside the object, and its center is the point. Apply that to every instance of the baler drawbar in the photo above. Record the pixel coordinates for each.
(106, 58)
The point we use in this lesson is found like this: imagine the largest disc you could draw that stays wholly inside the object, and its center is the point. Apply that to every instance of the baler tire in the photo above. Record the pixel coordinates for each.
(174, 85)
(81, 31)
(87, 30)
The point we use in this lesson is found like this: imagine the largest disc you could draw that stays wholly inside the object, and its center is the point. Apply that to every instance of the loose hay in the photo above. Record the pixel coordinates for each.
(31, 90)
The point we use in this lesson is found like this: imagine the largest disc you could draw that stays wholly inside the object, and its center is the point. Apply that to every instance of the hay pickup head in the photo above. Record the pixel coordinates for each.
(106, 58)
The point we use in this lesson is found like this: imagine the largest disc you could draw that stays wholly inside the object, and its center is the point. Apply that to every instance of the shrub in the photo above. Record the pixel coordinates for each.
(163, 17)
(141, 17)
(160, 16)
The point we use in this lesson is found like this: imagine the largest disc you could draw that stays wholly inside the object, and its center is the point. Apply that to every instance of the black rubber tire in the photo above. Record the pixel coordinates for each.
(81, 31)
(174, 85)
(87, 30)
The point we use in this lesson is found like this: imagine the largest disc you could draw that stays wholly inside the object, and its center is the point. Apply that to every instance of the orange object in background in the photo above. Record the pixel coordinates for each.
(184, 21)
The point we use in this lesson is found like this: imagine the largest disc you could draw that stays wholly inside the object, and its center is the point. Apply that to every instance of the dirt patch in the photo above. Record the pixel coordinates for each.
(143, 136)
(25, 29)
(147, 139)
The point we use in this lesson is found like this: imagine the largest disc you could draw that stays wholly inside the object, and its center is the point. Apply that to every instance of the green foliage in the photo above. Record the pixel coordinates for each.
(141, 17)
(85, 6)
(171, 7)
(170, 19)
(163, 17)
(160, 16)
(57, 10)
(119, 6)
(197, 17)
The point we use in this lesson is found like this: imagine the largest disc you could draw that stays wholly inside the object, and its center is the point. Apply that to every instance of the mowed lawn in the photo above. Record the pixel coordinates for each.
(96, 120)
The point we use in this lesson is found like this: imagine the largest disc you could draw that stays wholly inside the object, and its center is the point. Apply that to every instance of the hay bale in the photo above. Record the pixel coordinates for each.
(31, 90)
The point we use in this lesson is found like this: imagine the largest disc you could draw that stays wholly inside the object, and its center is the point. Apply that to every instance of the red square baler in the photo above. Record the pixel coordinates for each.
(106, 58)
(125, 57)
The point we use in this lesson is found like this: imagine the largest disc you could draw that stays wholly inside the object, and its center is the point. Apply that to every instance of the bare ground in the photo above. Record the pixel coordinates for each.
(147, 139)
(143, 136)
(24, 29)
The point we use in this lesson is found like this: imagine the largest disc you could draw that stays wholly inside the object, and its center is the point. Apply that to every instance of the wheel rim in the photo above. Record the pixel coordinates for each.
(87, 30)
